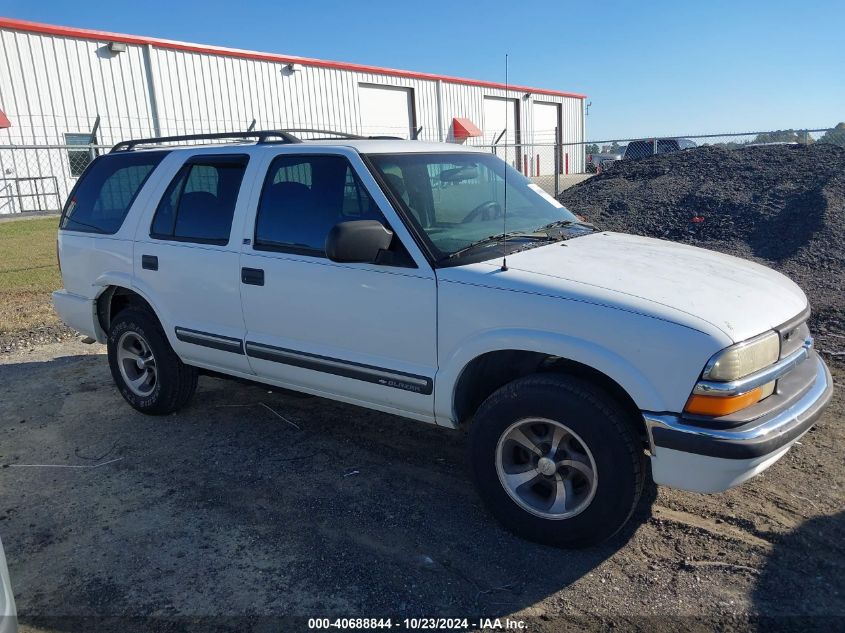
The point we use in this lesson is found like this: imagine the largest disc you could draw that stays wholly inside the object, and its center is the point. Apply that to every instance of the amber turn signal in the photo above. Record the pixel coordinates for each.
(720, 405)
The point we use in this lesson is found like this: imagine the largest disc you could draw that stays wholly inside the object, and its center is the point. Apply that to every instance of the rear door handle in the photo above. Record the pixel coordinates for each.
(252, 276)
(149, 262)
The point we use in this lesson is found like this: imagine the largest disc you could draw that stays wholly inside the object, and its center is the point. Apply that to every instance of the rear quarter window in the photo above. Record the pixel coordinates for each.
(102, 196)
(667, 146)
(639, 149)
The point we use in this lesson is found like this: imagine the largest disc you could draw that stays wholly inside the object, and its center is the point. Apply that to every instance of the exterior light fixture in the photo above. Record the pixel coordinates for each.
(117, 47)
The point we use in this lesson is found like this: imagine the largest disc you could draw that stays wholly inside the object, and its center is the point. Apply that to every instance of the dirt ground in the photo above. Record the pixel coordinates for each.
(254, 504)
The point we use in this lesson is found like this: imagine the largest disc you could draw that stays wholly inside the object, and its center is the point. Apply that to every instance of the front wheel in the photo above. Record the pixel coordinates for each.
(557, 460)
(147, 372)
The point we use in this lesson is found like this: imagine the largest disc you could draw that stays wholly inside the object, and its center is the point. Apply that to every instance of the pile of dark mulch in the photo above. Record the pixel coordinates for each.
(780, 205)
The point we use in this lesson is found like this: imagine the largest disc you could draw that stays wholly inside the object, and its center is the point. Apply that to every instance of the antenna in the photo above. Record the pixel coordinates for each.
(505, 205)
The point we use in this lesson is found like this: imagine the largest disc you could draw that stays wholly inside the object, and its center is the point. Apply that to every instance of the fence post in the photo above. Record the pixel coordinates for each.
(557, 149)
(92, 140)
(20, 198)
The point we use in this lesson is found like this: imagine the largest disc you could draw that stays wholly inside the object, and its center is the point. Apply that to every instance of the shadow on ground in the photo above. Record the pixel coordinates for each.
(815, 552)
(250, 501)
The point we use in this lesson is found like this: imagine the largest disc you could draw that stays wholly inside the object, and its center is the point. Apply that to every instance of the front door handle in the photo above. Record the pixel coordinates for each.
(252, 276)
(149, 262)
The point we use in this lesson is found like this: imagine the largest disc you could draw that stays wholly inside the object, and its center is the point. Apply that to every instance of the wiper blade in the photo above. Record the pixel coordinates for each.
(557, 224)
(499, 238)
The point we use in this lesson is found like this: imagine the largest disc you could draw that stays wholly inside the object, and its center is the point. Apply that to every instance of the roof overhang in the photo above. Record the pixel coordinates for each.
(4, 121)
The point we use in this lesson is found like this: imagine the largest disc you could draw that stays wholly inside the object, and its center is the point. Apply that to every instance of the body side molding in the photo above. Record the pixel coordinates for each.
(348, 369)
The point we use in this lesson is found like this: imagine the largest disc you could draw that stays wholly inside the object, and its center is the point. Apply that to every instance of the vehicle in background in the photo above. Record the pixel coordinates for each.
(598, 162)
(648, 147)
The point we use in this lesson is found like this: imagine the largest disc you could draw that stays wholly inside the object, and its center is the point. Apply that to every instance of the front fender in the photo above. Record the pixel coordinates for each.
(626, 374)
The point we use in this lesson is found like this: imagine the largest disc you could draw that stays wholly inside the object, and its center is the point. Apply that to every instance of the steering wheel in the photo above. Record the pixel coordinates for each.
(489, 210)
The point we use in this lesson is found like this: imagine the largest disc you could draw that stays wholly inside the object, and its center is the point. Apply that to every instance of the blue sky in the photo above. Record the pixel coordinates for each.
(649, 68)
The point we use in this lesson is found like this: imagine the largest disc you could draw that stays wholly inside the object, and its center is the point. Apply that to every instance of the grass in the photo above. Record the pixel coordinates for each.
(28, 274)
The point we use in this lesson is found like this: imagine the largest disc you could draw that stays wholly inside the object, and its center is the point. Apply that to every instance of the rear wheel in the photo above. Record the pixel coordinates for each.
(557, 460)
(147, 372)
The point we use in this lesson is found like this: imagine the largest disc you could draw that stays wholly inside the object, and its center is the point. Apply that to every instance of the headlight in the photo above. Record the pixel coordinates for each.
(737, 361)
(733, 363)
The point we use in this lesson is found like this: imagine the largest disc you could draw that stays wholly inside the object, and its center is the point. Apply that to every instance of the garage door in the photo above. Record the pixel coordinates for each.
(546, 124)
(499, 113)
(386, 110)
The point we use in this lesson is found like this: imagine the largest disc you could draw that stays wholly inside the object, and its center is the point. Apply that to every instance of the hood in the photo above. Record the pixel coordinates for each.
(672, 281)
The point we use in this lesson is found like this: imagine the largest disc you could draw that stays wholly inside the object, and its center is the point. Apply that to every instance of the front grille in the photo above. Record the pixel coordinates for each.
(792, 340)
(793, 334)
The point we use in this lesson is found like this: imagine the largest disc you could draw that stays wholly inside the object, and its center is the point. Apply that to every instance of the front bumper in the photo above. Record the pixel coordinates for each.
(701, 459)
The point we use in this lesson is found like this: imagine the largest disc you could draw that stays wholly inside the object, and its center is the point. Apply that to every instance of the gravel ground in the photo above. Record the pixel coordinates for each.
(254, 503)
(780, 205)
(28, 340)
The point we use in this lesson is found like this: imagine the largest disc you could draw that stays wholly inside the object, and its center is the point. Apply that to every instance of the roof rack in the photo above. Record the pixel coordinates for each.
(261, 136)
(345, 135)
(307, 130)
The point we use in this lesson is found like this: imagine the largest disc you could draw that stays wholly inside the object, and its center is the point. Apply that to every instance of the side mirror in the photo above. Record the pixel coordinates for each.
(358, 241)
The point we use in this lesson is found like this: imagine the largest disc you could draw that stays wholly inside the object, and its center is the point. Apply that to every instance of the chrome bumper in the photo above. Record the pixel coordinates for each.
(758, 438)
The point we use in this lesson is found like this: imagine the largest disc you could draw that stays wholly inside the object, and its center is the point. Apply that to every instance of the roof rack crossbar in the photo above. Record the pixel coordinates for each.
(261, 136)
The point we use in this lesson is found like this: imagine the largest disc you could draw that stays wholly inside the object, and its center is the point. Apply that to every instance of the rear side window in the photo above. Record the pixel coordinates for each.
(665, 146)
(639, 149)
(199, 203)
(304, 196)
(102, 197)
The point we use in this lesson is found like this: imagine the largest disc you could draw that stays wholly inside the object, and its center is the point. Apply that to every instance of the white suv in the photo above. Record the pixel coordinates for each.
(372, 271)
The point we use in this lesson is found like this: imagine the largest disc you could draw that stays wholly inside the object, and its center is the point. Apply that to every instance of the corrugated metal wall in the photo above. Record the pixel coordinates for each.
(51, 85)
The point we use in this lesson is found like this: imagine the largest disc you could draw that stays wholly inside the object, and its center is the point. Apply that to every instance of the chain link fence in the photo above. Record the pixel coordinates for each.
(556, 166)
(39, 177)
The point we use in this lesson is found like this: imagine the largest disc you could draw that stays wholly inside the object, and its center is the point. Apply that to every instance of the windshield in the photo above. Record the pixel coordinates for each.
(458, 199)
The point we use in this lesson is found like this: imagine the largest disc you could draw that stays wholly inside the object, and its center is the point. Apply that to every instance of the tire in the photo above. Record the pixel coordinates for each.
(595, 435)
(165, 384)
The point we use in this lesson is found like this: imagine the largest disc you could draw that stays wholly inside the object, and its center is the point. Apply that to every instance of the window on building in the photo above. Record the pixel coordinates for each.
(101, 199)
(79, 159)
(304, 197)
(199, 204)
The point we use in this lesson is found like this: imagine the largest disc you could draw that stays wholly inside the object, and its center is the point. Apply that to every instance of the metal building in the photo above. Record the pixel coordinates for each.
(62, 86)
